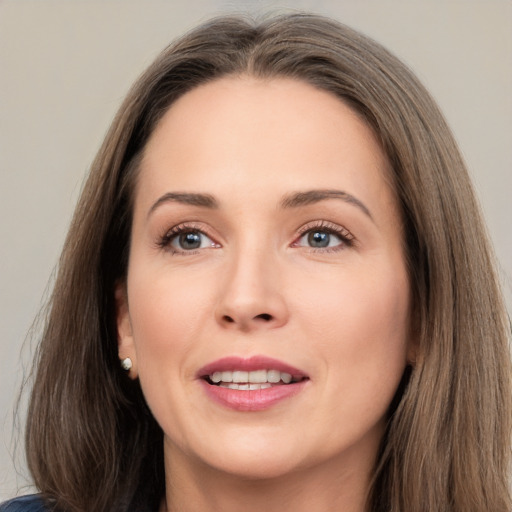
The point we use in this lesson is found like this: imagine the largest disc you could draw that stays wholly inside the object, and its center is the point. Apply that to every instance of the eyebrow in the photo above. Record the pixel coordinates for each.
(193, 199)
(315, 196)
(289, 201)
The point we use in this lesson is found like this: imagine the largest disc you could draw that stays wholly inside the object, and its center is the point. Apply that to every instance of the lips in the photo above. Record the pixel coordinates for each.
(251, 384)
(248, 364)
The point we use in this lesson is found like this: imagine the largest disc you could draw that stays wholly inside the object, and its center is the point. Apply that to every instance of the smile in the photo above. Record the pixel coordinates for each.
(257, 379)
(252, 384)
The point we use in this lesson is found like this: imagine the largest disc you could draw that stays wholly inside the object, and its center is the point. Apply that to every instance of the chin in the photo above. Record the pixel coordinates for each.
(258, 468)
(251, 457)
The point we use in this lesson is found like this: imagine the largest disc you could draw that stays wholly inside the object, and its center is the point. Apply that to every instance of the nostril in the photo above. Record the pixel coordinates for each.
(264, 316)
(244, 321)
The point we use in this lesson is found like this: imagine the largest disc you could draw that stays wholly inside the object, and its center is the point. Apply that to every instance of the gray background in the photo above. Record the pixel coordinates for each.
(66, 65)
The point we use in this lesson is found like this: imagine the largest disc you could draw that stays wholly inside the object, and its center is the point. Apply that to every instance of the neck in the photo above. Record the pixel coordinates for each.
(192, 485)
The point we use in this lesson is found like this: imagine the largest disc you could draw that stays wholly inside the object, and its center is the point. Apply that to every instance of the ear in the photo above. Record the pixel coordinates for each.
(125, 345)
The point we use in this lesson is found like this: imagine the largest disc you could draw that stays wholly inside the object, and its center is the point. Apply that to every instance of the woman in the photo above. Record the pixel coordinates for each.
(276, 292)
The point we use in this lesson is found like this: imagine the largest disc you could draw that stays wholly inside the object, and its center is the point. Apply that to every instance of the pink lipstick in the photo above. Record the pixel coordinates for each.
(250, 384)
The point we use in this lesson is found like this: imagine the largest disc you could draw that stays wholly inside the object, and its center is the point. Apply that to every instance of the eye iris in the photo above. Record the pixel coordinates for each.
(190, 240)
(319, 239)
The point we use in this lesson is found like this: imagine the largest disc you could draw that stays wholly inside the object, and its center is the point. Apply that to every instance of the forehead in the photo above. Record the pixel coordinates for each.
(241, 133)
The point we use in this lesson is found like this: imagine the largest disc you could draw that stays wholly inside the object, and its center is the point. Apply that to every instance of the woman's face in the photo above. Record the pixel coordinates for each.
(266, 246)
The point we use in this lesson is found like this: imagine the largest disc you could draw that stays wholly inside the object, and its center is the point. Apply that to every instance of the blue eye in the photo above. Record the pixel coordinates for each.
(190, 240)
(324, 236)
(185, 239)
(319, 239)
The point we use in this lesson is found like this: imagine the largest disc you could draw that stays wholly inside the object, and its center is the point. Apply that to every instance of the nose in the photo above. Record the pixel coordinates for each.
(252, 296)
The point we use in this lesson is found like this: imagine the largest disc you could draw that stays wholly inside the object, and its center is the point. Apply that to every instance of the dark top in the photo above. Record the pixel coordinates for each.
(34, 503)
(31, 503)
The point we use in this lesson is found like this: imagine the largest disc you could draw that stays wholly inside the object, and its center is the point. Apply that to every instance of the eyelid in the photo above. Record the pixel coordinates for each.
(325, 226)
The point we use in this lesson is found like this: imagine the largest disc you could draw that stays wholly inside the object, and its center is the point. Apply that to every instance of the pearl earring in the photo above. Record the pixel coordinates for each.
(126, 364)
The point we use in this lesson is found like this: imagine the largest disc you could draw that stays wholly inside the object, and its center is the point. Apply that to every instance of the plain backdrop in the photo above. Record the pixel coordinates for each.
(66, 65)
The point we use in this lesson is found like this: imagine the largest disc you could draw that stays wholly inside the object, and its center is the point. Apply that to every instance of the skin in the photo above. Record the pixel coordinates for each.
(256, 287)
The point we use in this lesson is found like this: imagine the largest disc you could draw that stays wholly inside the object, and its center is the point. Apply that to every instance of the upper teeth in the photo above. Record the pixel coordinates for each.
(255, 377)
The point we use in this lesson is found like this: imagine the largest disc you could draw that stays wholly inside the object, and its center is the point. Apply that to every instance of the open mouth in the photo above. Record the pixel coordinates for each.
(258, 379)
(251, 384)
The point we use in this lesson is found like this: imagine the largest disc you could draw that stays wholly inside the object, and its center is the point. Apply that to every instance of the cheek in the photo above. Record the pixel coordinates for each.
(360, 324)
(164, 315)
(359, 301)
(164, 312)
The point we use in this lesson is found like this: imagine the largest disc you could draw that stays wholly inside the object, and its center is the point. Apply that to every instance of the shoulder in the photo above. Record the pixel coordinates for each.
(31, 503)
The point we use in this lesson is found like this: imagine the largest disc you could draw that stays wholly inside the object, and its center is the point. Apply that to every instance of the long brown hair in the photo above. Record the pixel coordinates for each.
(92, 443)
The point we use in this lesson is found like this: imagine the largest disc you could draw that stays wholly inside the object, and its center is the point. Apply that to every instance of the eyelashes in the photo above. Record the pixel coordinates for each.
(324, 236)
(186, 238)
(317, 236)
